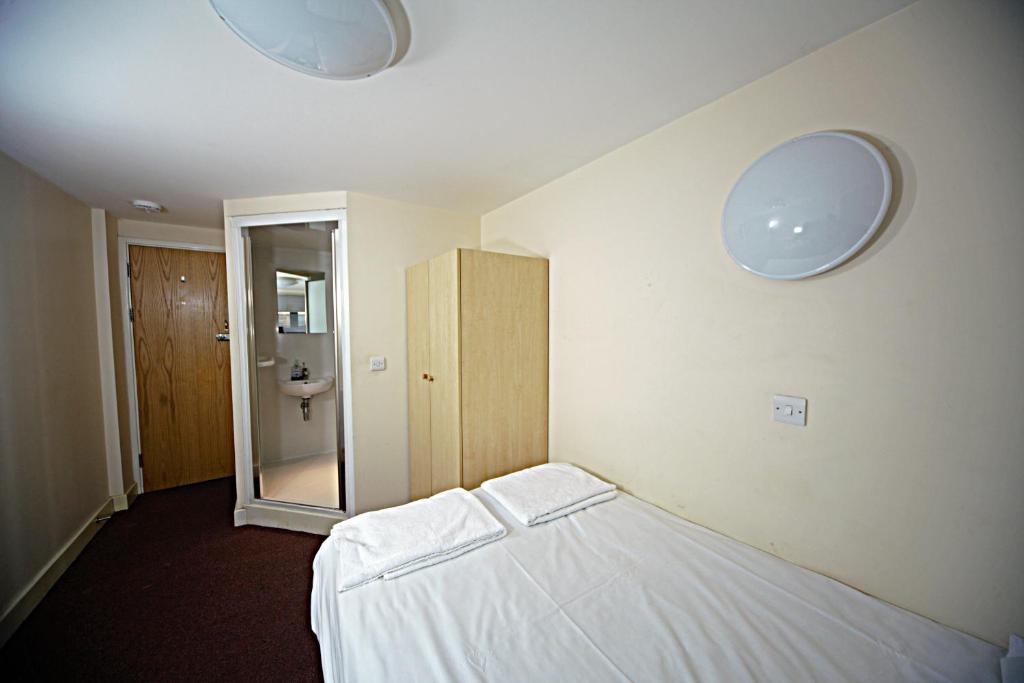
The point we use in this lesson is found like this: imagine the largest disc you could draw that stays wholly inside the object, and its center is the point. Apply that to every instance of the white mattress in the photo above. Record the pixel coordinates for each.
(623, 591)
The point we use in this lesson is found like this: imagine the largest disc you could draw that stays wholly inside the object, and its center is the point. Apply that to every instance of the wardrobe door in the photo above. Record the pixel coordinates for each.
(417, 298)
(504, 309)
(444, 375)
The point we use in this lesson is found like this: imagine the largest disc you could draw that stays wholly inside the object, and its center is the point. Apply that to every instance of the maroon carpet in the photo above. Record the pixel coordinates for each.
(171, 591)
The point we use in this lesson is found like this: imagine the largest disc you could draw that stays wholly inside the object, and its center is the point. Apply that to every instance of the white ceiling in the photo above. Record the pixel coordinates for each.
(120, 99)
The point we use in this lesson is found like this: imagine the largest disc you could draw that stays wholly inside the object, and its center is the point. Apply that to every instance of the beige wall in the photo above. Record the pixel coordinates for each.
(907, 480)
(385, 238)
(53, 475)
(169, 232)
(114, 267)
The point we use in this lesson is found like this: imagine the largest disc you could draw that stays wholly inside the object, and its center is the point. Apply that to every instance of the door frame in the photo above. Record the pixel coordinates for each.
(248, 508)
(128, 336)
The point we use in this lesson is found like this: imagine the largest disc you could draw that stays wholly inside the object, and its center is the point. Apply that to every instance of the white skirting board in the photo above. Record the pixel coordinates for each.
(41, 583)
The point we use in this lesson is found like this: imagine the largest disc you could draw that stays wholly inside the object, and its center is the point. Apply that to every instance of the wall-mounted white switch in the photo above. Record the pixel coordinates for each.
(790, 409)
(378, 363)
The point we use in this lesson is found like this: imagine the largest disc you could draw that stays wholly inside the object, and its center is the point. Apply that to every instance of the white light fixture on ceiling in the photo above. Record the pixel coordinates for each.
(339, 39)
(806, 206)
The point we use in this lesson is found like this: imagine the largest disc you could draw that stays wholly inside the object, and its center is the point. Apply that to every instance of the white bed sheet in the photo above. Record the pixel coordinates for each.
(623, 591)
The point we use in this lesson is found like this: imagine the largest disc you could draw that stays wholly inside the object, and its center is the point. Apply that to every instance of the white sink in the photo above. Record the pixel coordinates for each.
(305, 388)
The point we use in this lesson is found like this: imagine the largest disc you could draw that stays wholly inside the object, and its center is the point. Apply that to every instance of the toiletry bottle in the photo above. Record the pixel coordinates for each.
(305, 371)
(296, 370)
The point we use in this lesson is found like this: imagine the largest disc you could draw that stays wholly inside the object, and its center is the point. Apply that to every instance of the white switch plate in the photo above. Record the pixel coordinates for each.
(378, 363)
(790, 409)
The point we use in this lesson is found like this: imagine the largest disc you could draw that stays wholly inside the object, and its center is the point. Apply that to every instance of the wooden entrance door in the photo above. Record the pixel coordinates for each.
(182, 373)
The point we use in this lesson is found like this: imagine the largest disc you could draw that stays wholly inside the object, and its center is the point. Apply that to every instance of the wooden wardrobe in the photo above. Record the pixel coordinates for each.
(478, 368)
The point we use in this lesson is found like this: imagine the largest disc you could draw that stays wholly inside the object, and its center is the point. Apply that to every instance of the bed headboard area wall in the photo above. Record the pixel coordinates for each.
(906, 481)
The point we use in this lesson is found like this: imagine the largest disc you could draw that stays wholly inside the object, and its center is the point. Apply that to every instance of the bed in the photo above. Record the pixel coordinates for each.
(623, 591)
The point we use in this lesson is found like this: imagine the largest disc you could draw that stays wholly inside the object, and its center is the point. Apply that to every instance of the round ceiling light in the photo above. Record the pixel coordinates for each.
(340, 39)
(806, 206)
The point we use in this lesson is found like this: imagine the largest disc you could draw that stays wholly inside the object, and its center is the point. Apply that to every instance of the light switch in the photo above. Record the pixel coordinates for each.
(790, 409)
(378, 363)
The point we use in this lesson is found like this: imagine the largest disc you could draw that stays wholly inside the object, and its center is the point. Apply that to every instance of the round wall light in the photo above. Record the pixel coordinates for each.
(806, 206)
(340, 39)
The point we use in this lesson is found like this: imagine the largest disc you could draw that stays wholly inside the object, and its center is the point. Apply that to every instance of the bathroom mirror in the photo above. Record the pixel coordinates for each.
(301, 302)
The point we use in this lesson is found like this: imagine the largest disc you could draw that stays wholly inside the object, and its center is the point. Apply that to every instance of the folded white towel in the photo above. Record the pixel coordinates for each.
(439, 558)
(545, 492)
(392, 542)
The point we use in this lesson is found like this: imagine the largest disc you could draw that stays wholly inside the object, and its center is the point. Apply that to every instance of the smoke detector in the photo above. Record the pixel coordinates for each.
(147, 206)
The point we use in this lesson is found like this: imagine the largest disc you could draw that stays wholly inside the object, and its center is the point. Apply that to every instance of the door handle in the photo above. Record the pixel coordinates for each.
(223, 336)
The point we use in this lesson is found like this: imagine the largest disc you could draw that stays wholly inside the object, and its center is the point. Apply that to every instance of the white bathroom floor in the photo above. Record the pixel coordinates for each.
(312, 480)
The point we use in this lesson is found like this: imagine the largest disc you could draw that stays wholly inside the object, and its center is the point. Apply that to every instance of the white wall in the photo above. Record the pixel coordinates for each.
(907, 480)
(385, 238)
(53, 475)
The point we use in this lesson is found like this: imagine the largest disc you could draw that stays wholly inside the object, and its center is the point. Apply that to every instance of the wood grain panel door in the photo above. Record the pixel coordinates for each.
(417, 293)
(445, 392)
(504, 316)
(183, 374)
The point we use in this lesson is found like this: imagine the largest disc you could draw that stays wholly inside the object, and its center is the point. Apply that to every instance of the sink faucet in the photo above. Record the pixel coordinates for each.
(305, 371)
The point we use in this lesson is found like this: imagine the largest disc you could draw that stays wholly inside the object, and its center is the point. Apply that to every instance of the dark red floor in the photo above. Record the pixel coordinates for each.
(171, 591)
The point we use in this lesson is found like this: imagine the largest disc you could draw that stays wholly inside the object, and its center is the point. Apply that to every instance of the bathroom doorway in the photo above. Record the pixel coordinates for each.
(296, 406)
